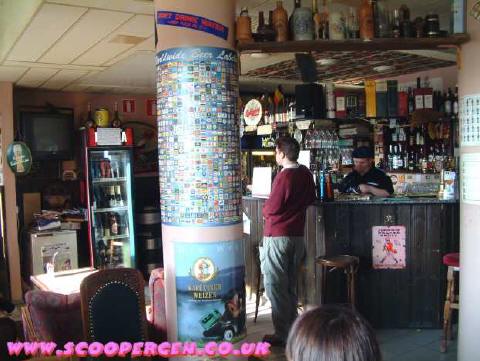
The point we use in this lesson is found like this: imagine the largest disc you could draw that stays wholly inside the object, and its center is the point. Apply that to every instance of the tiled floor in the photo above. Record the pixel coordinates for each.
(396, 344)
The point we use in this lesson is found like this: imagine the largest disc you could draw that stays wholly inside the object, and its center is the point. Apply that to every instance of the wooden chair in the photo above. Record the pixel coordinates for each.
(452, 260)
(349, 264)
(113, 306)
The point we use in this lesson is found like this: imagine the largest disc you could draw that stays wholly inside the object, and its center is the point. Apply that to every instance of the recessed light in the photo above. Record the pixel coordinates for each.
(260, 55)
(383, 68)
(326, 61)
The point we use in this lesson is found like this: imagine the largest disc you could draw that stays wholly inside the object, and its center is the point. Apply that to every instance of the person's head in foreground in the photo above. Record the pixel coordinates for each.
(332, 333)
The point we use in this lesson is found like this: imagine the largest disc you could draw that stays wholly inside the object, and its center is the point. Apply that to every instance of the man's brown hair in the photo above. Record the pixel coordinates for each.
(289, 146)
(332, 333)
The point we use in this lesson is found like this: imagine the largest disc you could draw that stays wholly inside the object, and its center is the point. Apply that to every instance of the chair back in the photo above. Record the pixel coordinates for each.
(49, 316)
(113, 306)
(158, 318)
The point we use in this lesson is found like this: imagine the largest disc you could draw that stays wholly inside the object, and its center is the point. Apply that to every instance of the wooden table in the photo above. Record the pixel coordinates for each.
(64, 282)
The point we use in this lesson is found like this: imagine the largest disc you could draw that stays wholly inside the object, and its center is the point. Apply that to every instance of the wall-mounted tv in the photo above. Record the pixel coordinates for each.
(48, 134)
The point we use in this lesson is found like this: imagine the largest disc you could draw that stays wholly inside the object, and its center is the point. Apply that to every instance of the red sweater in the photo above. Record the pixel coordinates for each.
(293, 190)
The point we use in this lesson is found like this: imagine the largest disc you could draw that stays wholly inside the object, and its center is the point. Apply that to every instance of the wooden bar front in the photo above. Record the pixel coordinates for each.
(408, 298)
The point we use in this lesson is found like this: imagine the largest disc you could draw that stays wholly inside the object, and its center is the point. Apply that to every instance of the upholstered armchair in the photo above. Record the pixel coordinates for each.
(113, 306)
(49, 316)
(157, 316)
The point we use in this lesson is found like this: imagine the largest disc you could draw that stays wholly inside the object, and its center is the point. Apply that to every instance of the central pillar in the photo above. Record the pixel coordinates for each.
(199, 169)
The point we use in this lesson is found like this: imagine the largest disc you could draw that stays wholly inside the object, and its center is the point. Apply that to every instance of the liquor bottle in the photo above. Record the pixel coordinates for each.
(353, 26)
(395, 158)
(302, 23)
(400, 157)
(290, 20)
(382, 25)
(116, 122)
(262, 29)
(90, 122)
(367, 25)
(448, 102)
(418, 93)
(411, 137)
(455, 102)
(113, 224)
(106, 227)
(111, 196)
(317, 21)
(244, 26)
(411, 162)
(118, 196)
(336, 25)
(396, 24)
(280, 22)
(411, 101)
(329, 196)
(321, 185)
(324, 16)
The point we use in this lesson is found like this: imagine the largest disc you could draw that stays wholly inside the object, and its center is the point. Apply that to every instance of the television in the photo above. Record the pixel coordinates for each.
(48, 135)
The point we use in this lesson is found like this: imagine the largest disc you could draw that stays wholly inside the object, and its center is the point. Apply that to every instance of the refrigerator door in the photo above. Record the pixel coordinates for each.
(111, 208)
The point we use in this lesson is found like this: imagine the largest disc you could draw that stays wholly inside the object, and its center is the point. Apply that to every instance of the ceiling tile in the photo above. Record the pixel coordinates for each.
(140, 26)
(63, 78)
(90, 29)
(11, 73)
(46, 28)
(76, 88)
(146, 45)
(131, 6)
(35, 77)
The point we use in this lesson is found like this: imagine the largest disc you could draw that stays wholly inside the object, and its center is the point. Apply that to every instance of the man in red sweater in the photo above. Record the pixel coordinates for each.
(283, 250)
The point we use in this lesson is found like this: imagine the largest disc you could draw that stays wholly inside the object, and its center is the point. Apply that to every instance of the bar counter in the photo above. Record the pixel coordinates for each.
(412, 297)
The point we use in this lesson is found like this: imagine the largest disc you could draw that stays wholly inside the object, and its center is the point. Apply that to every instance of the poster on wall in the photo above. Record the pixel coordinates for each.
(388, 247)
(470, 178)
(210, 291)
(470, 120)
(19, 158)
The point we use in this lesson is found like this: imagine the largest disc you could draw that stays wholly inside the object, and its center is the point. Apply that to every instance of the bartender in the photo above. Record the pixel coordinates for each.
(365, 178)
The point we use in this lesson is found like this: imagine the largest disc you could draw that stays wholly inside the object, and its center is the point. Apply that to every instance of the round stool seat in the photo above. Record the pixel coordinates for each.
(452, 259)
(342, 261)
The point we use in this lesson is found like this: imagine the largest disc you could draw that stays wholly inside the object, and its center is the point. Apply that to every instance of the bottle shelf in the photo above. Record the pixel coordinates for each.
(111, 209)
(108, 180)
(354, 45)
(105, 238)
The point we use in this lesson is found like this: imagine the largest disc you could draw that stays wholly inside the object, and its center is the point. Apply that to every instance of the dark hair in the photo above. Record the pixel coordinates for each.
(289, 146)
(332, 333)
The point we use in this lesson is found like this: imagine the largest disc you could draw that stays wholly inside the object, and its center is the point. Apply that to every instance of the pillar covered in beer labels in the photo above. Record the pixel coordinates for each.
(199, 166)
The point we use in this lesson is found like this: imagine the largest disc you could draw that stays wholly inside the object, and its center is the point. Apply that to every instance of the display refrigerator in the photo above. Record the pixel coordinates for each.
(109, 171)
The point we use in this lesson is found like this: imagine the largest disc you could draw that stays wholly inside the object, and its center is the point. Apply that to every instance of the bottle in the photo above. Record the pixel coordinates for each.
(411, 162)
(390, 158)
(353, 26)
(321, 186)
(455, 102)
(244, 26)
(290, 20)
(336, 25)
(90, 122)
(381, 21)
(329, 196)
(396, 27)
(324, 16)
(448, 102)
(116, 122)
(106, 227)
(411, 101)
(367, 27)
(400, 157)
(280, 22)
(262, 29)
(302, 23)
(111, 196)
(118, 196)
(113, 224)
(317, 21)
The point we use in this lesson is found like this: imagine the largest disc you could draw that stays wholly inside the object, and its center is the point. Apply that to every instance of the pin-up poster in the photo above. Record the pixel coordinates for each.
(388, 247)
(210, 281)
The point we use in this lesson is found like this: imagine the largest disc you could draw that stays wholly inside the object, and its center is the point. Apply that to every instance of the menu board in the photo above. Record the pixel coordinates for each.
(198, 136)
(470, 120)
(470, 168)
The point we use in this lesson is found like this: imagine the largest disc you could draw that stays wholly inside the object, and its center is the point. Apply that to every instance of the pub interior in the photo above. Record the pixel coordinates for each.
(88, 199)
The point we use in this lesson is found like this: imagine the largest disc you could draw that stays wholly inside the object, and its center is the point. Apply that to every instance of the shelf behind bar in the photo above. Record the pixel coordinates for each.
(109, 180)
(354, 45)
(112, 209)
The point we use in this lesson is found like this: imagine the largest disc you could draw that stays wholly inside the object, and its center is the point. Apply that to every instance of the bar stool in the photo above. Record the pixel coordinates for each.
(452, 260)
(349, 264)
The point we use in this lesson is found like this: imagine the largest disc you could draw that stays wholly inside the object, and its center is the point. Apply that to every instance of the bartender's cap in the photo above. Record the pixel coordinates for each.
(362, 152)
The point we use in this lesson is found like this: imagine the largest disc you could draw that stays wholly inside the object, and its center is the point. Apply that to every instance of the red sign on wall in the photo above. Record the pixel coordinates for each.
(151, 106)
(129, 105)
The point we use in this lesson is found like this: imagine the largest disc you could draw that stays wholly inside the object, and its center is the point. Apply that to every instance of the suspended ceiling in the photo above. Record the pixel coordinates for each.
(108, 46)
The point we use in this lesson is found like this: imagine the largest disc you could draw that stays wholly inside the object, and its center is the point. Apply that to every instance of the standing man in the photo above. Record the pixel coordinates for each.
(283, 250)
(365, 178)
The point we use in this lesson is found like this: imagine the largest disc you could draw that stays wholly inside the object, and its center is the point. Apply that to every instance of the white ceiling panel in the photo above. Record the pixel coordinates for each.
(131, 6)
(35, 77)
(146, 45)
(90, 29)
(76, 88)
(11, 73)
(63, 78)
(141, 26)
(51, 22)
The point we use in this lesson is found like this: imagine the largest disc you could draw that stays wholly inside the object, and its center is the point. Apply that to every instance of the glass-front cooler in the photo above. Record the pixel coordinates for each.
(111, 207)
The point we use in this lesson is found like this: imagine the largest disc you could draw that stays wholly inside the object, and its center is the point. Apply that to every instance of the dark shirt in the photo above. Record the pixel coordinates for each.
(374, 177)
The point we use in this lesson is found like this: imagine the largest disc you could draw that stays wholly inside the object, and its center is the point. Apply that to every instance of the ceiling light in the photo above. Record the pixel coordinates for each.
(383, 68)
(260, 55)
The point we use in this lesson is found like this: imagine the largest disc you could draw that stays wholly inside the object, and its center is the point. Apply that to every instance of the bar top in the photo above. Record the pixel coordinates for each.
(379, 200)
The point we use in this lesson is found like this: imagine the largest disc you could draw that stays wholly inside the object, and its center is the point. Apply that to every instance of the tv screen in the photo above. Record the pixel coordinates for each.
(49, 135)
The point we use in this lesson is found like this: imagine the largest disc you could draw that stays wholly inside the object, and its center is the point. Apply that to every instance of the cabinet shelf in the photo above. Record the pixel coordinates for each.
(109, 180)
(354, 45)
(111, 209)
(105, 238)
